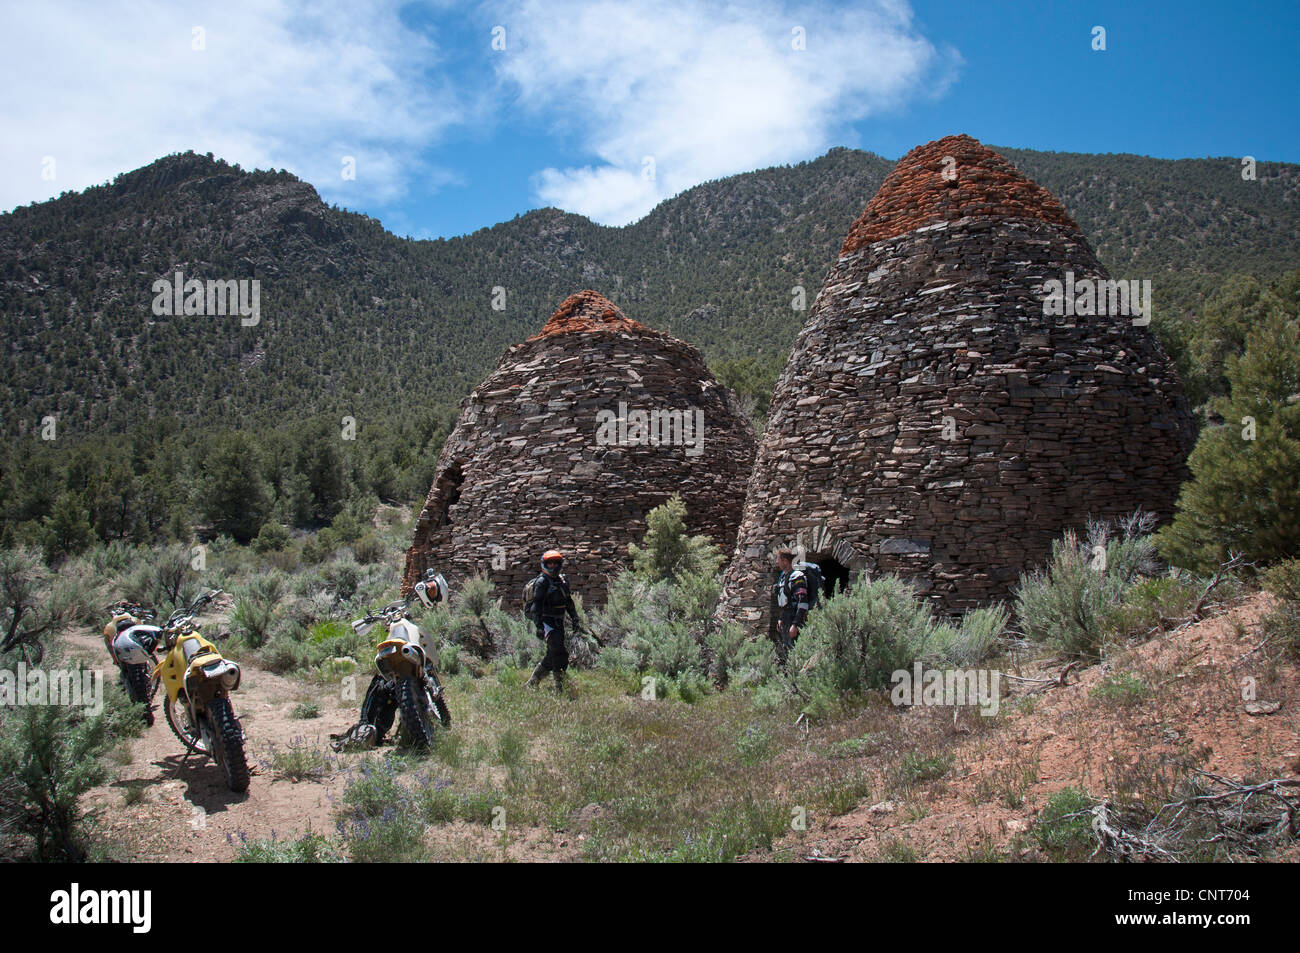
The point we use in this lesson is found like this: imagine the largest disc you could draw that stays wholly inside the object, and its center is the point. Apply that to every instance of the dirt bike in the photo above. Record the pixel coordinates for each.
(198, 683)
(404, 661)
(132, 640)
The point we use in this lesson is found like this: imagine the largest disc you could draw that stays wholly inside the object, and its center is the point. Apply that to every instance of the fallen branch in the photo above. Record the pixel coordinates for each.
(1235, 561)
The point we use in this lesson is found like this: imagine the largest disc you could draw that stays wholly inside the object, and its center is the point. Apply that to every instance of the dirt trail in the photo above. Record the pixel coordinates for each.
(187, 812)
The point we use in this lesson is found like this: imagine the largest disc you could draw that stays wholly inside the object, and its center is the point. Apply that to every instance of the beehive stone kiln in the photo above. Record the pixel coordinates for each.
(570, 442)
(933, 421)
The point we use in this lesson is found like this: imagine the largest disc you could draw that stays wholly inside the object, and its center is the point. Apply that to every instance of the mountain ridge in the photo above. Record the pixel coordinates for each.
(349, 306)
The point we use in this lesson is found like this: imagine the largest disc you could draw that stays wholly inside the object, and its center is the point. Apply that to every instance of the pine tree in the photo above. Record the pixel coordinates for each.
(1244, 494)
(667, 551)
(232, 495)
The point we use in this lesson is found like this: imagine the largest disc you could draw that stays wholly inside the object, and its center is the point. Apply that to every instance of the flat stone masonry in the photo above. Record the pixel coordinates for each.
(524, 471)
(932, 421)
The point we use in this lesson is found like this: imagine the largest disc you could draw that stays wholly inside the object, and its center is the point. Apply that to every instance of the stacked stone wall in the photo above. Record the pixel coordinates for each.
(934, 422)
(526, 468)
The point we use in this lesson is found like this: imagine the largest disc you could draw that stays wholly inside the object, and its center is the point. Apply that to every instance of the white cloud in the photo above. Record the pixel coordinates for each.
(704, 89)
(106, 88)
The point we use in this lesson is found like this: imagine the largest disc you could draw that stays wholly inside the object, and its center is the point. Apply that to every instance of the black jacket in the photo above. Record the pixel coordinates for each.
(553, 600)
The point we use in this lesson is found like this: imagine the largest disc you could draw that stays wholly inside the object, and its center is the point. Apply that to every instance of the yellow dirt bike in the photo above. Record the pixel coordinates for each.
(198, 681)
(406, 681)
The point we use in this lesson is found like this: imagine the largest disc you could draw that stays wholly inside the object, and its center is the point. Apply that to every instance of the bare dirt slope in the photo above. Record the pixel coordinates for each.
(1077, 736)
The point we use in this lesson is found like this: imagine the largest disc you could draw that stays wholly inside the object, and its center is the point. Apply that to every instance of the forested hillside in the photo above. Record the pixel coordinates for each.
(357, 323)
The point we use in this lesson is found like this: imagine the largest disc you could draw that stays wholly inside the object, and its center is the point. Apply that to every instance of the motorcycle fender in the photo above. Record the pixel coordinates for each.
(391, 658)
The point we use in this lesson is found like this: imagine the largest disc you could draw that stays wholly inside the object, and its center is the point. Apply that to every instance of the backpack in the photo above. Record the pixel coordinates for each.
(813, 573)
(532, 611)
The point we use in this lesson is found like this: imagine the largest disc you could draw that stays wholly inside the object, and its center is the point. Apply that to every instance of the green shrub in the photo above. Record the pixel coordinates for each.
(725, 835)
(1281, 626)
(1283, 580)
(381, 820)
(1063, 830)
(78, 597)
(369, 549)
(855, 641)
(736, 660)
(343, 577)
(449, 659)
(970, 642)
(916, 768)
(272, 538)
(667, 648)
(49, 756)
(1150, 603)
(112, 559)
(476, 598)
(286, 651)
(754, 744)
(1075, 604)
(163, 578)
(298, 761)
(320, 547)
(348, 527)
(511, 748)
(396, 837)
(308, 849)
(253, 616)
(689, 686)
(896, 851)
(1122, 688)
(328, 631)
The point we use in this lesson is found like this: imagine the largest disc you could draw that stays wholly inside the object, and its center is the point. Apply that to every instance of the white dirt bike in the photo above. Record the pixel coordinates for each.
(407, 677)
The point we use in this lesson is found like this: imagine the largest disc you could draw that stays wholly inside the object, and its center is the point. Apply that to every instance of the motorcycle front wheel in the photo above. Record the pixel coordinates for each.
(440, 702)
(228, 743)
(417, 712)
(178, 720)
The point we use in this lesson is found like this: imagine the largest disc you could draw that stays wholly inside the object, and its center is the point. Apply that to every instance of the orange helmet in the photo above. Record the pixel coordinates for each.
(552, 555)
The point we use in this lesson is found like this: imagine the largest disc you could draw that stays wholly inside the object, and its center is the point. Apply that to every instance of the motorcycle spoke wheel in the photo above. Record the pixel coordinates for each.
(229, 744)
(137, 687)
(177, 722)
(417, 720)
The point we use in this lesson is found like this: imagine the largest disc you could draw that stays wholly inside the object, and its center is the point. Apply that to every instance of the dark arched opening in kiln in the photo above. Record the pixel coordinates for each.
(450, 486)
(835, 575)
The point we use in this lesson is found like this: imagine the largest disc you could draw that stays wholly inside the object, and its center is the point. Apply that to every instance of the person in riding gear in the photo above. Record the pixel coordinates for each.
(793, 598)
(552, 602)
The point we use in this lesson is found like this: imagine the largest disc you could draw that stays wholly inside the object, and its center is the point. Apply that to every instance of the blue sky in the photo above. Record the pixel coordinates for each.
(606, 108)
